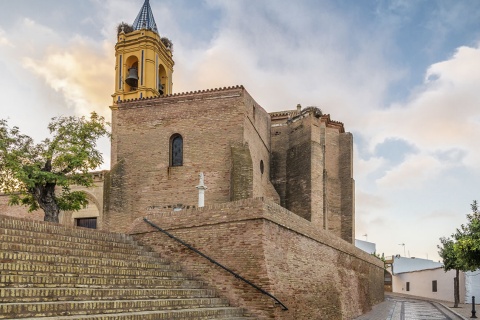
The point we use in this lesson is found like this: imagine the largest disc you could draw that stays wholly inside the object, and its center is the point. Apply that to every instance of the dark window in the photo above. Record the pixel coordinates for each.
(86, 223)
(434, 286)
(408, 286)
(176, 156)
(261, 166)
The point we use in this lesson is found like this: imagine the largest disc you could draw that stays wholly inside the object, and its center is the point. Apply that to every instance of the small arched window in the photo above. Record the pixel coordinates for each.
(176, 150)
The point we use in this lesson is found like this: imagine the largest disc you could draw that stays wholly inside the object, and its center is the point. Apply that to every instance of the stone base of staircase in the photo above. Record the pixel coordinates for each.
(49, 271)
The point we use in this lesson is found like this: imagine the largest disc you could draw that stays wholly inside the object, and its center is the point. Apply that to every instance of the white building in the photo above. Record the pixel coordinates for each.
(427, 278)
(472, 285)
(368, 247)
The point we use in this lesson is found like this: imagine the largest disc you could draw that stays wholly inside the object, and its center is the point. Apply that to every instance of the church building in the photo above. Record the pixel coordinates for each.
(268, 195)
(161, 142)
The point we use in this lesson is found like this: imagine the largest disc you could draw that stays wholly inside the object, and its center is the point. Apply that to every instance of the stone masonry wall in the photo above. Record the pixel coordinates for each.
(348, 187)
(18, 211)
(93, 209)
(216, 127)
(333, 187)
(314, 273)
(257, 134)
(312, 169)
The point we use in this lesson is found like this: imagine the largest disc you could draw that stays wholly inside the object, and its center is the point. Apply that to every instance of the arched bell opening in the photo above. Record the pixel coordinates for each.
(131, 81)
(162, 80)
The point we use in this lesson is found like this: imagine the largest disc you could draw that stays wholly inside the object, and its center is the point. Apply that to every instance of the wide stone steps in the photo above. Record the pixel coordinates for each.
(29, 309)
(75, 294)
(11, 256)
(162, 271)
(55, 229)
(125, 243)
(24, 281)
(21, 247)
(226, 313)
(101, 246)
(49, 271)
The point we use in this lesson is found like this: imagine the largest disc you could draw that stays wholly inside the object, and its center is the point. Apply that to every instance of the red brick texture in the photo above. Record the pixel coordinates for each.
(313, 272)
(312, 171)
(225, 134)
(18, 211)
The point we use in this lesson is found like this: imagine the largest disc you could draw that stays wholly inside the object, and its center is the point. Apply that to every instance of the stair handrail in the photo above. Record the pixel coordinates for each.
(284, 308)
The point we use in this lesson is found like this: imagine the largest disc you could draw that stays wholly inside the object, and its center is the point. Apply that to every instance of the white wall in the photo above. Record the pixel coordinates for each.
(368, 247)
(472, 286)
(421, 284)
(402, 264)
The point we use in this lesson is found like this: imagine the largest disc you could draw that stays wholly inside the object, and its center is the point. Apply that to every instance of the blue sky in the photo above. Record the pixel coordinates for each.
(402, 75)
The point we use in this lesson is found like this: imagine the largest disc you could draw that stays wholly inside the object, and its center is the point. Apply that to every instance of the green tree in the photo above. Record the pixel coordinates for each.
(461, 252)
(467, 246)
(30, 173)
(451, 261)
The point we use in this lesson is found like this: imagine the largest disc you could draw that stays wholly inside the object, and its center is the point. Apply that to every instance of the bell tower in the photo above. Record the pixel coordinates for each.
(144, 63)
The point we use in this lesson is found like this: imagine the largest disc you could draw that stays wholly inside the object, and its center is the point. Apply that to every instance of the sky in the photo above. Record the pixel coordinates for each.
(402, 75)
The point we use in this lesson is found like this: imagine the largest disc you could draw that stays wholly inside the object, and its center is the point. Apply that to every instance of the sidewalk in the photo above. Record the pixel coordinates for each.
(384, 310)
(464, 309)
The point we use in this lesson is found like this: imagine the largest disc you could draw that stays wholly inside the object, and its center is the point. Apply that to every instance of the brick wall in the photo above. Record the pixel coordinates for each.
(312, 169)
(18, 211)
(94, 207)
(225, 135)
(313, 272)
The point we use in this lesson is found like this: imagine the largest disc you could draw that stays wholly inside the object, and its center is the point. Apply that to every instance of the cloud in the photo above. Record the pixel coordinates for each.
(411, 173)
(441, 119)
(4, 41)
(81, 74)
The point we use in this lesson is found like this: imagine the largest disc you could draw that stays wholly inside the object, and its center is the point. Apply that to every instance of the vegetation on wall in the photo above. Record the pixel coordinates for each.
(125, 27)
(40, 176)
(167, 43)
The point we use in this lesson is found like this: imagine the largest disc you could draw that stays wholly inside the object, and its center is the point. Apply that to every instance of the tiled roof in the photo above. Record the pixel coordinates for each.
(185, 93)
(145, 19)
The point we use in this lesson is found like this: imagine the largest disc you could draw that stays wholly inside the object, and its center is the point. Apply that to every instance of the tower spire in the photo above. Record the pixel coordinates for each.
(145, 19)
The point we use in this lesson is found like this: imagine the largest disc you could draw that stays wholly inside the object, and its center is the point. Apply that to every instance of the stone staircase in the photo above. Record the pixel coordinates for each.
(49, 271)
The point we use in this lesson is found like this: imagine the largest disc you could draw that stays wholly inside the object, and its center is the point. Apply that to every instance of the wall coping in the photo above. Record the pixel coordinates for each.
(182, 94)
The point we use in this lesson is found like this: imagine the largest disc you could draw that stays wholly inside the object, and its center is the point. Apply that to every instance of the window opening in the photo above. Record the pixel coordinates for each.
(176, 150)
(434, 286)
(86, 223)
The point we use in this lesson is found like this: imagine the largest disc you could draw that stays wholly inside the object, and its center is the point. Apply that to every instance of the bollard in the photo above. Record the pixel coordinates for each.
(473, 308)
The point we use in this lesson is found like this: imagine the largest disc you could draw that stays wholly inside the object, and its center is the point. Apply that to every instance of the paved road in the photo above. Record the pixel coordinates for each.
(400, 308)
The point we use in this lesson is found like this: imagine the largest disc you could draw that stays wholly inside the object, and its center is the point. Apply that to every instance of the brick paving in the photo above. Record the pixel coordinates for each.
(404, 307)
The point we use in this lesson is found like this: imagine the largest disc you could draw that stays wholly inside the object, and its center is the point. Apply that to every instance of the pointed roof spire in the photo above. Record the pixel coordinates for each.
(144, 19)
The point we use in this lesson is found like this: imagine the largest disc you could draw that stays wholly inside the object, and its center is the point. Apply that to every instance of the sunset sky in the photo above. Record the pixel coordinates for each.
(402, 75)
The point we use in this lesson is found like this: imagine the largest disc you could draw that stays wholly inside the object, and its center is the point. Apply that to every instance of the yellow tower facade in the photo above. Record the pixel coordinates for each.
(144, 64)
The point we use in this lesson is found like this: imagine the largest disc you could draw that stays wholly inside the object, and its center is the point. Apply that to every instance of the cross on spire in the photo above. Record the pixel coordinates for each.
(144, 19)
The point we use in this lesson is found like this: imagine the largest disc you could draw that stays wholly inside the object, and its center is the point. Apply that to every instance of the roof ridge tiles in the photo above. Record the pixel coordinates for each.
(178, 94)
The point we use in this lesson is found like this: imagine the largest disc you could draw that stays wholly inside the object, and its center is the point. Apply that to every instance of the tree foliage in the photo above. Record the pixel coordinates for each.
(461, 252)
(30, 173)
(467, 246)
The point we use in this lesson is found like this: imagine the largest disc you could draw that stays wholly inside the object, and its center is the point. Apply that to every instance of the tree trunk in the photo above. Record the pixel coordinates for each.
(456, 289)
(45, 196)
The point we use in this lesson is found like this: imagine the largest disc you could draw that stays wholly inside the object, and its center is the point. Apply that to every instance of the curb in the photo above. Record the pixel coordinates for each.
(451, 310)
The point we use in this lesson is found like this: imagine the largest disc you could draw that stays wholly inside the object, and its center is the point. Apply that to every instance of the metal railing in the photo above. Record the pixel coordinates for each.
(216, 263)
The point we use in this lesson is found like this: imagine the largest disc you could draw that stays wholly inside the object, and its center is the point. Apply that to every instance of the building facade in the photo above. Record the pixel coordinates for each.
(279, 203)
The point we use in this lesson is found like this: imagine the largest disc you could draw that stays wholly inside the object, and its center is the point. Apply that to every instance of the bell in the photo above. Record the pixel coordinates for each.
(132, 79)
(160, 89)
